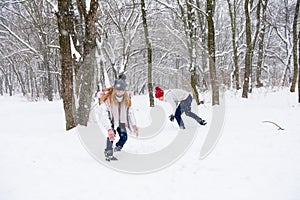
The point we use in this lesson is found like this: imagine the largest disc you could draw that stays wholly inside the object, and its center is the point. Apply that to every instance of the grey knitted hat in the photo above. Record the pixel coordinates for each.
(120, 83)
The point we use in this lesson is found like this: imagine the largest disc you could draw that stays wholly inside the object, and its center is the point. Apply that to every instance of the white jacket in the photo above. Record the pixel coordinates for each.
(107, 114)
(174, 96)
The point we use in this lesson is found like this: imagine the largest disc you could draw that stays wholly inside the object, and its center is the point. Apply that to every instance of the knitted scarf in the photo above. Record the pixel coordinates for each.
(119, 114)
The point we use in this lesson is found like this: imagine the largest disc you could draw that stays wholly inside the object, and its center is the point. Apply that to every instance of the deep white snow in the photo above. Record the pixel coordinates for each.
(252, 160)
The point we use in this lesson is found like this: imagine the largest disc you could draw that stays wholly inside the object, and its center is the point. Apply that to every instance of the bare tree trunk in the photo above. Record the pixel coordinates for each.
(87, 69)
(57, 75)
(192, 48)
(190, 29)
(194, 81)
(49, 86)
(149, 53)
(58, 84)
(256, 35)
(1, 86)
(232, 13)
(87, 88)
(295, 38)
(248, 51)
(211, 53)
(261, 45)
(63, 20)
(203, 39)
(102, 75)
(9, 81)
(31, 82)
(1, 81)
(299, 67)
(34, 85)
(20, 80)
(287, 73)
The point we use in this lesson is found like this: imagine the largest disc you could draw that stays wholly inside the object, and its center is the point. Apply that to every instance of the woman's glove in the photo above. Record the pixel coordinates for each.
(111, 135)
(135, 130)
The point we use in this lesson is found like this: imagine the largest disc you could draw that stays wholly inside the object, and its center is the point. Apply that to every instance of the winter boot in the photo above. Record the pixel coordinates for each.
(182, 127)
(108, 153)
(117, 149)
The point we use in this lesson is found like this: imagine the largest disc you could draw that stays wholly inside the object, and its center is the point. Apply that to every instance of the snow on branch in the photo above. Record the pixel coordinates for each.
(19, 39)
(53, 46)
(14, 53)
(176, 34)
(198, 9)
(169, 7)
(54, 6)
(11, 2)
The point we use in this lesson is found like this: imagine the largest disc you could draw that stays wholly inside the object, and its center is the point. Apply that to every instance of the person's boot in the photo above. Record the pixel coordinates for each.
(117, 149)
(108, 153)
(182, 127)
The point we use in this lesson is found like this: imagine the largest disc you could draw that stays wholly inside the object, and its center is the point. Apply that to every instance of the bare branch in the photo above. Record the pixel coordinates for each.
(279, 127)
(18, 38)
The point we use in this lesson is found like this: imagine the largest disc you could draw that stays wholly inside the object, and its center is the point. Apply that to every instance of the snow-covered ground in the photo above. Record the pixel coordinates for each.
(252, 160)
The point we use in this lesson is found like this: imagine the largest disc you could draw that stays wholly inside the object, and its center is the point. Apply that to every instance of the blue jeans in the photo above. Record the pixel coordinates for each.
(185, 106)
(123, 138)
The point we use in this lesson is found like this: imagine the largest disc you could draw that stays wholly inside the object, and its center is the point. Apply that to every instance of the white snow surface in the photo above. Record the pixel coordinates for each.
(252, 160)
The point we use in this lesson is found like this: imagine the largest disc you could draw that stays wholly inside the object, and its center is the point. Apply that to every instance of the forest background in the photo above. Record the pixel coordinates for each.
(71, 49)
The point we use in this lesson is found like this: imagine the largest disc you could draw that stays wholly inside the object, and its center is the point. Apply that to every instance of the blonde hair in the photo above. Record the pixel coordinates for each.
(126, 98)
(107, 94)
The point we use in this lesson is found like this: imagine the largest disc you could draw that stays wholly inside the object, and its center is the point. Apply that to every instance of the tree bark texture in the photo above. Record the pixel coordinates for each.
(299, 67)
(191, 21)
(248, 51)
(232, 13)
(149, 53)
(261, 41)
(86, 72)
(63, 19)
(211, 53)
(295, 40)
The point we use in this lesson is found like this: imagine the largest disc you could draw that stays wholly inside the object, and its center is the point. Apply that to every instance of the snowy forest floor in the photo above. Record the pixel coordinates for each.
(252, 160)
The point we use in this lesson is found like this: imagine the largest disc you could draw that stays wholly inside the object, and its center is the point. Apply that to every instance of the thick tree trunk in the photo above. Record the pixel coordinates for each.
(149, 53)
(87, 69)
(248, 52)
(87, 88)
(232, 13)
(299, 67)
(235, 51)
(295, 38)
(260, 59)
(211, 52)
(192, 48)
(63, 20)
(203, 39)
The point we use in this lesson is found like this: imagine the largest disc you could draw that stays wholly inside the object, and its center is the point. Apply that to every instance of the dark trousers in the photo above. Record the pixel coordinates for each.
(123, 138)
(185, 106)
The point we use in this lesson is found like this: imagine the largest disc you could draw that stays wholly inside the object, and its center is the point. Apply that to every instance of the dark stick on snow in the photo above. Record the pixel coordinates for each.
(279, 127)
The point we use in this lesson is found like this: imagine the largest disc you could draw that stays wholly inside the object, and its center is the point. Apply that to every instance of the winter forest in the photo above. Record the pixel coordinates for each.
(52, 49)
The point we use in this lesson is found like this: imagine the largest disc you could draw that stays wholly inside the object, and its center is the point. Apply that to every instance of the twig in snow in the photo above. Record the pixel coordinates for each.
(279, 127)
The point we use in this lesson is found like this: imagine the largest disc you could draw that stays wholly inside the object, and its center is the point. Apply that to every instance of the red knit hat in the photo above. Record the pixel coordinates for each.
(158, 92)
